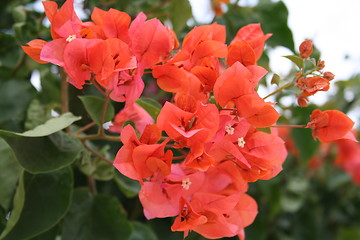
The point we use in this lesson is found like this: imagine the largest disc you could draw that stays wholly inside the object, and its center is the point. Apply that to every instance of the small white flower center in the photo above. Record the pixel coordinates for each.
(186, 183)
(70, 38)
(241, 142)
(229, 129)
(107, 125)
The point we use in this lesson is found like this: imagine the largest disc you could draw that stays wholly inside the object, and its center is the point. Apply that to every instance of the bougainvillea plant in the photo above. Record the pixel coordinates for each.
(194, 156)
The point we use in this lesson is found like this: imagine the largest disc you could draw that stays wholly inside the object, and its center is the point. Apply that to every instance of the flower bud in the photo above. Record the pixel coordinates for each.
(321, 64)
(329, 76)
(306, 48)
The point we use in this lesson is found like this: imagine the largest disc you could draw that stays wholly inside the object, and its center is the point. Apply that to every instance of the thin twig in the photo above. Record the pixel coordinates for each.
(289, 126)
(103, 113)
(86, 127)
(96, 153)
(279, 89)
(92, 184)
(99, 137)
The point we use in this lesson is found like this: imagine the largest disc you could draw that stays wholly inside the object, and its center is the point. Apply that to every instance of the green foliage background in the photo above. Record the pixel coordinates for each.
(51, 187)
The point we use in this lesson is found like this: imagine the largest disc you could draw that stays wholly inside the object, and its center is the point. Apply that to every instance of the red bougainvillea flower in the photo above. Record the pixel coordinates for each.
(34, 49)
(150, 41)
(312, 85)
(348, 157)
(132, 112)
(253, 154)
(160, 196)
(140, 159)
(330, 125)
(254, 36)
(237, 84)
(226, 215)
(189, 128)
(64, 22)
(187, 219)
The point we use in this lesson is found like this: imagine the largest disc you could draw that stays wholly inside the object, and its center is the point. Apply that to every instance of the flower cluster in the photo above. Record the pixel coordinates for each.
(218, 148)
(315, 80)
(195, 160)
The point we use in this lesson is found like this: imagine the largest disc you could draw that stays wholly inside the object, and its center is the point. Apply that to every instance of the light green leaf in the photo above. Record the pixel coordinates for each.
(47, 199)
(51, 126)
(151, 106)
(297, 60)
(94, 217)
(94, 107)
(43, 154)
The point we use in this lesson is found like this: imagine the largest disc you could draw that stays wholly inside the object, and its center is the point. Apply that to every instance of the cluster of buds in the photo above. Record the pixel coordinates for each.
(315, 79)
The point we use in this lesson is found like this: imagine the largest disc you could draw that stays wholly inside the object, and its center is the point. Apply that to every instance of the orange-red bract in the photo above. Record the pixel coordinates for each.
(330, 125)
(34, 49)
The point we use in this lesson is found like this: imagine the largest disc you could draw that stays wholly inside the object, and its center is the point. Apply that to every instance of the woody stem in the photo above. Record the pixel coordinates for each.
(106, 104)
(289, 126)
(64, 92)
(279, 89)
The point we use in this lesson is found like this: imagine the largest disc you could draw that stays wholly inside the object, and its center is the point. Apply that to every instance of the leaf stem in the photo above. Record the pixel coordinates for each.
(86, 127)
(96, 153)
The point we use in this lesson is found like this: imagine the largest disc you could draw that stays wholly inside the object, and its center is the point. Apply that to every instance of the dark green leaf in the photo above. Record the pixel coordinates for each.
(15, 96)
(49, 234)
(95, 217)
(141, 232)
(10, 174)
(273, 17)
(43, 154)
(297, 60)
(47, 199)
(94, 107)
(151, 106)
(129, 187)
(180, 12)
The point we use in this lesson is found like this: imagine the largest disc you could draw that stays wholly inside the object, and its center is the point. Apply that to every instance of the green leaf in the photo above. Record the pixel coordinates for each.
(18, 204)
(94, 107)
(94, 217)
(8, 177)
(129, 187)
(43, 154)
(152, 106)
(142, 231)
(275, 79)
(47, 199)
(297, 60)
(347, 233)
(51, 126)
(273, 17)
(180, 12)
